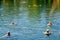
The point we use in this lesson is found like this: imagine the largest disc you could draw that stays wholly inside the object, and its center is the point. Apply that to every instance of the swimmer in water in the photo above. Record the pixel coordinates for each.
(47, 32)
(8, 34)
(50, 24)
(12, 23)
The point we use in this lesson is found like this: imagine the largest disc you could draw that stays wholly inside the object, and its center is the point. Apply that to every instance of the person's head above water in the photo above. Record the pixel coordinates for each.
(50, 24)
(8, 34)
(48, 32)
(12, 23)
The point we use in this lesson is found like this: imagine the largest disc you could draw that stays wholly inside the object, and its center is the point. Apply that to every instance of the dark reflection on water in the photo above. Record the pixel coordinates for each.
(29, 22)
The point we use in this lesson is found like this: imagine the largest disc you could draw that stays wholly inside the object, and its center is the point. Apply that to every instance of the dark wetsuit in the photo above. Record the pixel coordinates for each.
(48, 34)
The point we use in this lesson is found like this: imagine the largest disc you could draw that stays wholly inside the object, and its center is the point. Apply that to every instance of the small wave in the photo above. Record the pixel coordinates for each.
(3, 36)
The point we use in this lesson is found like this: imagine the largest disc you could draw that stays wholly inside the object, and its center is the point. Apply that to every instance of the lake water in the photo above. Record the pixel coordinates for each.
(29, 22)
